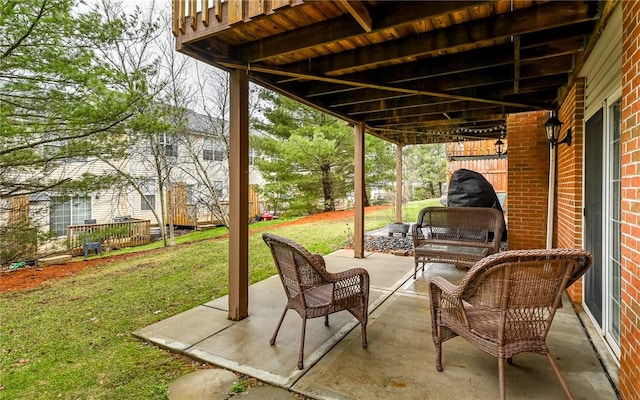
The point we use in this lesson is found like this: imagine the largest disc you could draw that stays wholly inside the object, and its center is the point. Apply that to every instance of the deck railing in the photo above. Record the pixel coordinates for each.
(194, 17)
(113, 235)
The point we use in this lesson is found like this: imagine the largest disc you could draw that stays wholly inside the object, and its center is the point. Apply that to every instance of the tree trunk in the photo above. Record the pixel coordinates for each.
(327, 188)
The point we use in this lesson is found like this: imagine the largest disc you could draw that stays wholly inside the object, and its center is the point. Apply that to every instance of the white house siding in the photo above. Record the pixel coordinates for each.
(106, 205)
(603, 73)
(603, 68)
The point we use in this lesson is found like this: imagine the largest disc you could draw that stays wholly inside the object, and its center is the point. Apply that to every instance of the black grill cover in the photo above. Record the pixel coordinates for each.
(470, 189)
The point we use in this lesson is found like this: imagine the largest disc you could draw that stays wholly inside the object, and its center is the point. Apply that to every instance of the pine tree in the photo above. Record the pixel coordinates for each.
(61, 99)
(307, 159)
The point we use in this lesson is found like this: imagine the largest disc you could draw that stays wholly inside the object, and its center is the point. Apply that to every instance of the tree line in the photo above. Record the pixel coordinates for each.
(82, 85)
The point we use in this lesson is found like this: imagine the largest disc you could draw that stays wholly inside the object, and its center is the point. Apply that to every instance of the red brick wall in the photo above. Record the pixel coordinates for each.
(630, 207)
(568, 228)
(528, 174)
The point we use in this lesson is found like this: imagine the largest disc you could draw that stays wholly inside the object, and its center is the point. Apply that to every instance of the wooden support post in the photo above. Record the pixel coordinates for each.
(238, 195)
(359, 192)
(399, 183)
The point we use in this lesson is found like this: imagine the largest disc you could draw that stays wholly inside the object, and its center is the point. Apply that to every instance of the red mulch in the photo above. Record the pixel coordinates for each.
(30, 277)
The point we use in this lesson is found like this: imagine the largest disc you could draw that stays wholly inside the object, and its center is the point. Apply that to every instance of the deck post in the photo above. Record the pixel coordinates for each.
(399, 183)
(238, 195)
(359, 192)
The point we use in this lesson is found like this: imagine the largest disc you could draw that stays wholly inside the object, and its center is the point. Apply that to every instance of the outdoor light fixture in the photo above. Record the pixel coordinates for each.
(552, 128)
(499, 147)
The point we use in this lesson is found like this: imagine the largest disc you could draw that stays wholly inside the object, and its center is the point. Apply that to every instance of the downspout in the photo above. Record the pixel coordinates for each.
(552, 194)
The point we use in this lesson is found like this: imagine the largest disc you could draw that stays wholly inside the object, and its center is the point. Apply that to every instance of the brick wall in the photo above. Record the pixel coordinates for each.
(630, 207)
(528, 174)
(568, 228)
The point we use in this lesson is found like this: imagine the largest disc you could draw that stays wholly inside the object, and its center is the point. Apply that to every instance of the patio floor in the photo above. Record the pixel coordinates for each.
(400, 360)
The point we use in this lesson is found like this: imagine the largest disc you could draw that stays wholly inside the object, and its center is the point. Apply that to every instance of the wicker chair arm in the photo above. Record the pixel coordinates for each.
(318, 263)
(416, 233)
(348, 279)
(445, 286)
(447, 296)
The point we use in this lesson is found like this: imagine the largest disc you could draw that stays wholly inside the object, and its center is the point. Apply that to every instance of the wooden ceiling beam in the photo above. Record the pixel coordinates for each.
(486, 80)
(390, 105)
(262, 69)
(458, 63)
(449, 108)
(528, 20)
(359, 12)
(491, 76)
(386, 15)
(516, 63)
(366, 110)
(474, 115)
(426, 122)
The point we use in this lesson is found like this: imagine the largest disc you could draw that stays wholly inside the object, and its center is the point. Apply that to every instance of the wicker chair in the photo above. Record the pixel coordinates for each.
(313, 292)
(505, 304)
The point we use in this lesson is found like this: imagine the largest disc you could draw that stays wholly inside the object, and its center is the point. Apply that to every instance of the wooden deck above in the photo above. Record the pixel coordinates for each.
(411, 71)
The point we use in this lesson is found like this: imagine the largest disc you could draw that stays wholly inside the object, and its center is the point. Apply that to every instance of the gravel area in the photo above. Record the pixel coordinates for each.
(386, 244)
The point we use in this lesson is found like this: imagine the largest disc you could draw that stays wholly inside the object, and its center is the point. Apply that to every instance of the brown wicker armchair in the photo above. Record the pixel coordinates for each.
(505, 304)
(314, 292)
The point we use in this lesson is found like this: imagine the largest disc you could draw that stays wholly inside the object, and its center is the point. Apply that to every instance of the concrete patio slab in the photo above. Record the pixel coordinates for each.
(183, 330)
(400, 360)
(400, 363)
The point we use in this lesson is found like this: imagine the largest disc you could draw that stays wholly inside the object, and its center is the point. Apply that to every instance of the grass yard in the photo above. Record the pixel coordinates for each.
(71, 338)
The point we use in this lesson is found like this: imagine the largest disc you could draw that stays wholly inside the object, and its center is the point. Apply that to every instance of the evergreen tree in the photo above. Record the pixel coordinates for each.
(424, 170)
(306, 156)
(380, 166)
(307, 159)
(61, 99)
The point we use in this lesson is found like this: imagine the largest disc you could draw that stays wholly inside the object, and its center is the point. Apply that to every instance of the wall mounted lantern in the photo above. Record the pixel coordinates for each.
(499, 145)
(552, 129)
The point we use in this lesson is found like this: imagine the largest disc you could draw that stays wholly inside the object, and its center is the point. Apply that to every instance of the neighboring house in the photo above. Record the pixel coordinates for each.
(195, 177)
(198, 180)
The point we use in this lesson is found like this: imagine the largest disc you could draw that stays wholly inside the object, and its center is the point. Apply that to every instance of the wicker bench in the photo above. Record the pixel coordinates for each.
(456, 235)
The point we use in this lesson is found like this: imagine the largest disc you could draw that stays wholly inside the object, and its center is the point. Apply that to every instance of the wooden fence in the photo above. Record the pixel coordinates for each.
(494, 170)
(113, 235)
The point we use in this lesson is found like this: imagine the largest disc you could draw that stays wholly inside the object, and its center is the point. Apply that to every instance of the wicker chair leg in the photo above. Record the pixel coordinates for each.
(364, 334)
(501, 378)
(301, 355)
(559, 375)
(273, 338)
(438, 356)
(326, 320)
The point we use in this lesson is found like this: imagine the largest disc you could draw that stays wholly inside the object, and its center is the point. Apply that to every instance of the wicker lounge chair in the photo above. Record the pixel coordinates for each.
(313, 292)
(505, 304)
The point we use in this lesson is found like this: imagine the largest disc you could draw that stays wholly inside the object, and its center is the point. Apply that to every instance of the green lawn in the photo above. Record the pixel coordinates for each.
(71, 338)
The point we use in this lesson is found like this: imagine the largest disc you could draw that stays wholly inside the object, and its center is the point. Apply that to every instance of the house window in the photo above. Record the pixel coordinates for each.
(252, 156)
(191, 194)
(148, 195)
(207, 154)
(147, 202)
(212, 151)
(64, 212)
(170, 149)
